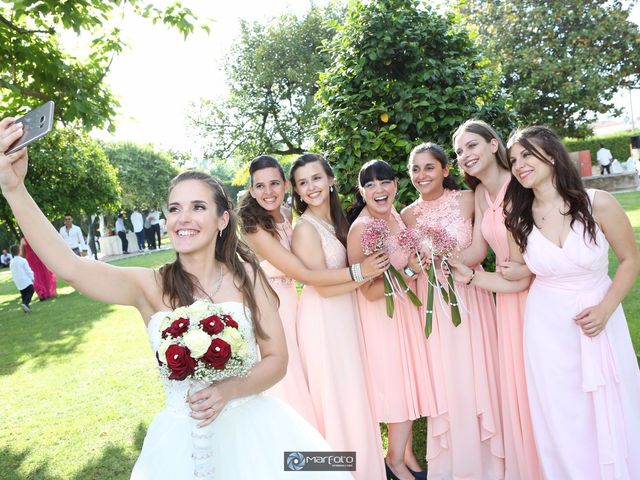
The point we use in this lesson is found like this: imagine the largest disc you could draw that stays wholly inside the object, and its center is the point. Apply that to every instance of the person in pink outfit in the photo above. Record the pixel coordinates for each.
(582, 374)
(399, 378)
(483, 158)
(44, 281)
(464, 432)
(266, 227)
(329, 336)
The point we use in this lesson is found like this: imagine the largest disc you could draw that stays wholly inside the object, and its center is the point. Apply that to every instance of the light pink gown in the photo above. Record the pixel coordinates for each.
(293, 388)
(394, 348)
(44, 280)
(584, 391)
(333, 360)
(521, 458)
(464, 432)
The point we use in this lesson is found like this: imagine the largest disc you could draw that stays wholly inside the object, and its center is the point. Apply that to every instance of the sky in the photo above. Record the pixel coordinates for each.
(161, 73)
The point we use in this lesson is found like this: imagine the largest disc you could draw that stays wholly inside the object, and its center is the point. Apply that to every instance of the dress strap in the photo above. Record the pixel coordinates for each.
(499, 197)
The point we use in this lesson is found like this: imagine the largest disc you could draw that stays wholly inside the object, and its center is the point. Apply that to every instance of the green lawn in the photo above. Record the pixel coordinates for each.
(79, 386)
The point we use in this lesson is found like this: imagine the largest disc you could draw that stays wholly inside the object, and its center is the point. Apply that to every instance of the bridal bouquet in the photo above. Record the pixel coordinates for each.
(201, 342)
(374, 236)
(441, 245)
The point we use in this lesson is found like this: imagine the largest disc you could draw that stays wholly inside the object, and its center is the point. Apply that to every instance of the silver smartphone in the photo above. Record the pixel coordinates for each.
(36, 124)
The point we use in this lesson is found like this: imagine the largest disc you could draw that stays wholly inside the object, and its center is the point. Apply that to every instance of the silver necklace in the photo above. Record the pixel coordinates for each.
(217, 286)
(324, 223)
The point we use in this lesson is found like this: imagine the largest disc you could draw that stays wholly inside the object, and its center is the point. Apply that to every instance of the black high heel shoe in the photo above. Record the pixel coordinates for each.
(390, 474)
(422, 475)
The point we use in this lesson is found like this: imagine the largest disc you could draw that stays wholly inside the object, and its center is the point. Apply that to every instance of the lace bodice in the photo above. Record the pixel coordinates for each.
(397, 255)
(275, 276)
(445, 212)
(335, 253)
(176, 391)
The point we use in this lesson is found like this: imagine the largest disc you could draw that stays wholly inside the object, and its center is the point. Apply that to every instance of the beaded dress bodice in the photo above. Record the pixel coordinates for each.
(445, 212)
(275, 276)
(335, 253)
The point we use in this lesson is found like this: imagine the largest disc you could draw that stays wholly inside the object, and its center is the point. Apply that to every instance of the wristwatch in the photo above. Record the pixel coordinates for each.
(408, 272)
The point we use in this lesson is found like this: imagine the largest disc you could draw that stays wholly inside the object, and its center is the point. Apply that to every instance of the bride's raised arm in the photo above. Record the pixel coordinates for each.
(125, 286)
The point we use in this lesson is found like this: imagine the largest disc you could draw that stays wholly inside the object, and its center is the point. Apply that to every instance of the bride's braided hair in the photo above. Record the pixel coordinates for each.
(179, 286)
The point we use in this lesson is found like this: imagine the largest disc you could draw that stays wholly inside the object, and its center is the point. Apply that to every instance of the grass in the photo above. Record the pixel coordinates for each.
(79, 386)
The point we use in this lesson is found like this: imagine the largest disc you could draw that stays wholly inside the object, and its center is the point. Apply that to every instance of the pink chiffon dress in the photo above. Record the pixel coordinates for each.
(584, 392)
(394, 348)
(293, 388)
(521, 458)
(464, 431)
(331, 348)
(44, 280)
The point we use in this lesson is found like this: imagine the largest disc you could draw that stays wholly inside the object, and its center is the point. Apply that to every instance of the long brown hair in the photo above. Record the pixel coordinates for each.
(335, 207)
(487, 132)
(541, 140)
(250, 213)
(179, 286)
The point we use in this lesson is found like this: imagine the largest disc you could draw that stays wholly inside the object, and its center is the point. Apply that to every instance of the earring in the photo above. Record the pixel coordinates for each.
(331, 188)
(221, 230)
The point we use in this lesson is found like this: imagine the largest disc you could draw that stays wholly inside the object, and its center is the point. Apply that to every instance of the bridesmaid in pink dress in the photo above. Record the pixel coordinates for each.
(483, 158)
(44, 280)
(267, 230)
(399, 378)
(331, 343)
(464, 433)
(582, 374)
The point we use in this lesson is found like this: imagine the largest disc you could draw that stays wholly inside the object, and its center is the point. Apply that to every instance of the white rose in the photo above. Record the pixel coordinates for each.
(199, 309)
(162, 349)
(197, 342)
(236, 341)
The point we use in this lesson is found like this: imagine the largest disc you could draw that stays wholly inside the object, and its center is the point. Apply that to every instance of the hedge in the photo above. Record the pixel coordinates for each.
(617, 142)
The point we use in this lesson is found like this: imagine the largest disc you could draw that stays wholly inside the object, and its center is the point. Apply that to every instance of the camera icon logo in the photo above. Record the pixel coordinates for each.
(295, 461)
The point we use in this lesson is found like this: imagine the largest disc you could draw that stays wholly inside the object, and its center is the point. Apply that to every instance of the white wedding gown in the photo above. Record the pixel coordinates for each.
(249, 438)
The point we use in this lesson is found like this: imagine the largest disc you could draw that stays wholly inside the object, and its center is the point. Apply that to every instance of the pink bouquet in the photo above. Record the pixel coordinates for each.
(374, 236)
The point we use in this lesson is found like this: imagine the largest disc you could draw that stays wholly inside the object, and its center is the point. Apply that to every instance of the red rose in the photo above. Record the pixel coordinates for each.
(177, 328)
(218, 353)
(229, 321)
(212, 325)
(180, 362)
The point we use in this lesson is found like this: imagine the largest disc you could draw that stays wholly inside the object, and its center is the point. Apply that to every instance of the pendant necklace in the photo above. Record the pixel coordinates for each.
(217, 286)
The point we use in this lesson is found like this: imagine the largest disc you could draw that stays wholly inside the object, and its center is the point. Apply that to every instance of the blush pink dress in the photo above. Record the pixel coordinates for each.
(293, 388)
(464, 431)
(44, 280)
(584, 392)
(331, 348)
(394, 348)
(521, 458)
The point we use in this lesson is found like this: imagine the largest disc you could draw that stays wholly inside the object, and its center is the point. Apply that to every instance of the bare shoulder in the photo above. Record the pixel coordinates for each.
(408, 213)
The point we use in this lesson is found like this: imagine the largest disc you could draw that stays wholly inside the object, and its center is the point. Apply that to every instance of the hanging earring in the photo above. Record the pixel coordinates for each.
(331, 188)
(221, 230)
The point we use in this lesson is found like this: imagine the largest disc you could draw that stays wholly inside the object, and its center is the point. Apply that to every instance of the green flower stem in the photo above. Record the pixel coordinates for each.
(429, 310)
(455, 311)
(388, 295)
(405, 288)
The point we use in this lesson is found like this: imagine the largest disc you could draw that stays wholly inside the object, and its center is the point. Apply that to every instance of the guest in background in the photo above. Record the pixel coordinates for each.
(44, 280)
(604, 159)
(23, 277)
(73, 235)
(138, 227)
(5, 258)
(154, 221)
(121, 230)
(148, 231)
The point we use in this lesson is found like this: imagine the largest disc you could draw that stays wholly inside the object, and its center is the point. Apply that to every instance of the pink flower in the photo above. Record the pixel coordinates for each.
(441, 242)
(409, 240)
(374, 235)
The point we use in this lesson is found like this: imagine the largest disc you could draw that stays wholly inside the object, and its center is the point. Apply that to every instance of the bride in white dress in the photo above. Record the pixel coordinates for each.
(251, 431)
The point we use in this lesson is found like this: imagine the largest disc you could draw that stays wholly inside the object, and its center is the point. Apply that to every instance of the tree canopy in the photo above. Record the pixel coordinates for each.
(143, 173)
(400, 74)
(561, 61)
(272, 72)
(35, 66)
(68, 172)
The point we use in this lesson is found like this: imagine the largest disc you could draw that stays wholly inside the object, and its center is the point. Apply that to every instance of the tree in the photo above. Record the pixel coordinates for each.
(400, 74)
(561, 60)
(35, 68)
(272, 73)
(68, 172)
(143, 173)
